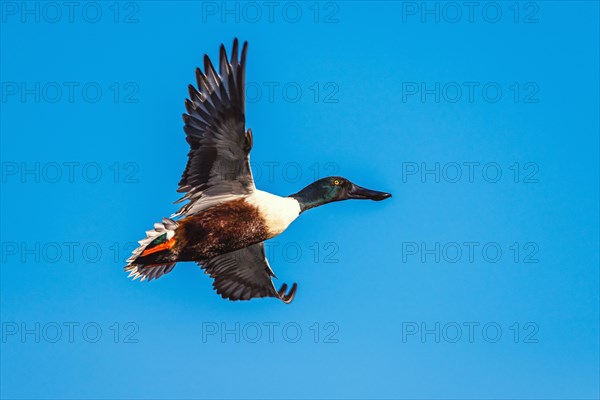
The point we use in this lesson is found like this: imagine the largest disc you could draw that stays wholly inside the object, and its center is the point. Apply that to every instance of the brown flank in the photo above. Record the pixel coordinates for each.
(220, 229)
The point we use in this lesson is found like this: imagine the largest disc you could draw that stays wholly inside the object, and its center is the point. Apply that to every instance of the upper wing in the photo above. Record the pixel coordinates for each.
(244, 274)
(218, 166)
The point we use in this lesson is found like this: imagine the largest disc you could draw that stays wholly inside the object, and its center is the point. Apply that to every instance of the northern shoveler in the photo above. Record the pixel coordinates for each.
(226, 221)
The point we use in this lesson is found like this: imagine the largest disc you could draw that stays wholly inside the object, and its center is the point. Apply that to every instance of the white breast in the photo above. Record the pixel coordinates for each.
(278, 212)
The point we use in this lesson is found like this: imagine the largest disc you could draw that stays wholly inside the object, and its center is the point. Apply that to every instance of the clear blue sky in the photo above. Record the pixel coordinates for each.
(478, 279)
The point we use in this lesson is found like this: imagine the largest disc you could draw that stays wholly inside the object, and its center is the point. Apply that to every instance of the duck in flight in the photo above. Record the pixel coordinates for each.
(223, 225)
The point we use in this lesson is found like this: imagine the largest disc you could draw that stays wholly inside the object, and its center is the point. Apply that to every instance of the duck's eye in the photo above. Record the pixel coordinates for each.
(336, 182)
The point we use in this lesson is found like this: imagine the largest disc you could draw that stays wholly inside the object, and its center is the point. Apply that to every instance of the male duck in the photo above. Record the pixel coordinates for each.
(227, 219)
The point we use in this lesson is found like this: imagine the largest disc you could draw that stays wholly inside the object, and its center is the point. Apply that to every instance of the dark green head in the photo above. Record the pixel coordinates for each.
(334, 188)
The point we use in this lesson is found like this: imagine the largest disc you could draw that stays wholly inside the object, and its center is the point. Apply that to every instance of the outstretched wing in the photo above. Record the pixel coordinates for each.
(218, 167)
(245, 274)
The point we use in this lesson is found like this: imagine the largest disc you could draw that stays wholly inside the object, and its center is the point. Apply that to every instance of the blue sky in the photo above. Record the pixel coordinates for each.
(478, 279)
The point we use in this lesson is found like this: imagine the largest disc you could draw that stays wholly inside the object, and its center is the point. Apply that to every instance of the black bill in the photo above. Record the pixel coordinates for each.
(357, 192)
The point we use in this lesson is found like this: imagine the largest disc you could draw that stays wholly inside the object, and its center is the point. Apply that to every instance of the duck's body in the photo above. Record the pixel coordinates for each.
(223, 228)
(227, 219)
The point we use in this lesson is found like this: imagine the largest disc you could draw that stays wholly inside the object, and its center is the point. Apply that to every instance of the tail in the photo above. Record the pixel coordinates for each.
(157, 253)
